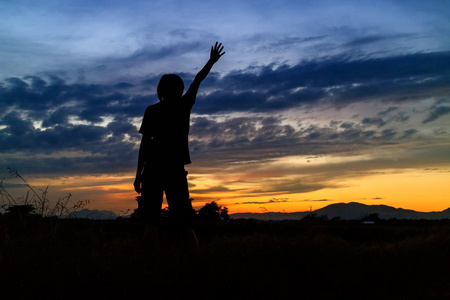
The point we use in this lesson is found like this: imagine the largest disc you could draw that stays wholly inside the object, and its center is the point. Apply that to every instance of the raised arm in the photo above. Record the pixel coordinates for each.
(215, 55)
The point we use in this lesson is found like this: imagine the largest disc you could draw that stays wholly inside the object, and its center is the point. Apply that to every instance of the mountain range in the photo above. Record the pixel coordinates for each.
(349, 211)
(344, 211)
(94, 214)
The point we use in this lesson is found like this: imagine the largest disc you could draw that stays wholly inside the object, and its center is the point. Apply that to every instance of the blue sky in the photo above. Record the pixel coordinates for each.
(82, 39)
(362, 83)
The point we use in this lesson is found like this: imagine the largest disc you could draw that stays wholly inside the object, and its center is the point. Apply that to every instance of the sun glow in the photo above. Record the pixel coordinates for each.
(421, 190)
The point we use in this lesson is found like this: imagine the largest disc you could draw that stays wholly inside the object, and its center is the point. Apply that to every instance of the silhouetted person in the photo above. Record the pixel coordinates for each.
(164, 151)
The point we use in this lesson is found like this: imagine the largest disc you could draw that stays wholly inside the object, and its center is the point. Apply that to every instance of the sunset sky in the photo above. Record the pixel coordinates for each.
(314, 102)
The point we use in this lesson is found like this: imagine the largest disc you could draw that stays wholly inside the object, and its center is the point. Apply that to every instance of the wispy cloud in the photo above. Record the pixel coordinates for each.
(436, 113)
(273, 200)
(316, 200)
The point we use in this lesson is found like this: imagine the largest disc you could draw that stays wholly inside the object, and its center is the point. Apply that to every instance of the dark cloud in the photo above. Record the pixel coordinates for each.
(124, 85)
(46, 115)
(273, 200)
(373, 121)
(436, 113)
(335, 80)
(15, 125)
(408, 133)
(387, 111)
(52, 98)
(68, 148)
(248, 134)
(347, 125)
(316, 200)
(60, 116)
(288, 42)
(257, 138)
(378, 38)
(388, 134)
(440, 131)
(287, 185)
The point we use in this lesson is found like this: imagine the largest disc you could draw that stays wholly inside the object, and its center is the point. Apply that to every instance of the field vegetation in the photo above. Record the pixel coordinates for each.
(73, 258)
(47, 257)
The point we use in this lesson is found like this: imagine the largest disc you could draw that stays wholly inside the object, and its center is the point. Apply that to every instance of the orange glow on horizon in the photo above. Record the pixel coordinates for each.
(420, 190)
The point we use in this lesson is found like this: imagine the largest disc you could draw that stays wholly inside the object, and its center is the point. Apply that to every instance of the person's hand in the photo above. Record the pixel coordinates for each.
(137, 184)
(216, 52)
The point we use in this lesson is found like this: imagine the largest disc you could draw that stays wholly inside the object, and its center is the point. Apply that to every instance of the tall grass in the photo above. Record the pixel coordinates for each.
(36, 201)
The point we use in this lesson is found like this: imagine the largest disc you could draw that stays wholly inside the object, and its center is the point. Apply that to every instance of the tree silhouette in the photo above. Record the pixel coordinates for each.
(374, 217)
(213, 212)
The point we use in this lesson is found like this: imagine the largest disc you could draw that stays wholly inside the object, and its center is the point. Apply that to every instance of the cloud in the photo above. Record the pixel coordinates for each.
(436, 113)
(337, 80)
(241, 116)
(273, 200)
(388, 134)
(374, 121)
(287, 185)
(16, 126)
(387, 111)
(440, 131)
(408, 133)
(257, 137)
(316, 200)
(213, 190)
(370, 39)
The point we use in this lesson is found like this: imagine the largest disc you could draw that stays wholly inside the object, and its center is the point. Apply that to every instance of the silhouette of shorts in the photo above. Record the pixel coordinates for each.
(171, 180)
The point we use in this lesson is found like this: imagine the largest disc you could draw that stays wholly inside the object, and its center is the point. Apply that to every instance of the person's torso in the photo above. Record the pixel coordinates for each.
(168, 127)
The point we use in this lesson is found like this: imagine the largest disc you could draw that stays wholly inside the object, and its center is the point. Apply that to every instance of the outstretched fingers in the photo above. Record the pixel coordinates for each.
(216, 51)
(217, 45)
(219, 48)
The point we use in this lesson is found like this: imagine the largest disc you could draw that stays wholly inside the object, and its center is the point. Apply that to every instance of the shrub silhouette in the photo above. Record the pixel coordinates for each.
(213, 212)
(372, 217)
(20, 210)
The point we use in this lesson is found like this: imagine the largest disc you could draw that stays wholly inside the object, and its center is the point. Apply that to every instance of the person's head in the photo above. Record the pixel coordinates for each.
(170, 87)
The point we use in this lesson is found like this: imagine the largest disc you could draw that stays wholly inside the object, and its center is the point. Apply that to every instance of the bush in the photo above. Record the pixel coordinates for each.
(213, 212)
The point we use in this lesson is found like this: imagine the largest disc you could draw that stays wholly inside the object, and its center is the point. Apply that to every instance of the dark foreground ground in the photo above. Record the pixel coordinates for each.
(82, 259)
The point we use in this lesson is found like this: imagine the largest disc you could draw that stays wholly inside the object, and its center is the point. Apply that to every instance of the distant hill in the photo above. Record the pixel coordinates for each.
(350, 211)
(274, 216)
(94, 214)
(345, 211)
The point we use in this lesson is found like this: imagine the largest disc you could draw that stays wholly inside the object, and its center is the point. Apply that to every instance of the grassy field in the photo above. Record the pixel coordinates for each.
(239, 259)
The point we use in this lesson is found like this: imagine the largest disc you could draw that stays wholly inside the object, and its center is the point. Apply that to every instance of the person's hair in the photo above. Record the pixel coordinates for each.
(170, 86)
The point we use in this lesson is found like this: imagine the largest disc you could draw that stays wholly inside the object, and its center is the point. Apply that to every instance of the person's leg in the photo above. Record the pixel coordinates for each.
(150, 206)
(180, 207)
